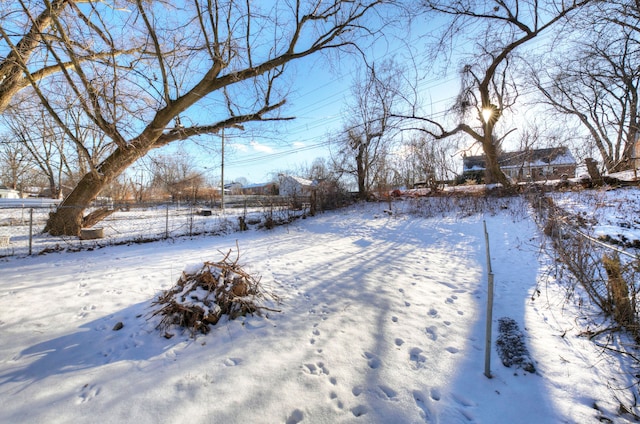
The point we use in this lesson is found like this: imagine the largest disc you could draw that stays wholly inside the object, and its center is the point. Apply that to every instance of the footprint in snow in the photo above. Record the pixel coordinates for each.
(432, 332)
(372, 360)
(316, 369)
(88, 392)
(388, 391)
(359, 410)
(232, 362)
(295, 417)
(417, 358)
(421, 402)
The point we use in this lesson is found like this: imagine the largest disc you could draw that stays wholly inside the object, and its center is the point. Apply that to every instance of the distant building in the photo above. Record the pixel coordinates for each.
(260, 189)
(529, 165)
(8, 193)
(291, 186)
(233, 188)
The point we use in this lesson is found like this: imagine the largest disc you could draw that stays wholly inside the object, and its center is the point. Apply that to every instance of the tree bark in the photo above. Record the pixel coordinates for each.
(361, 170)
(493, 172)
(68, 218)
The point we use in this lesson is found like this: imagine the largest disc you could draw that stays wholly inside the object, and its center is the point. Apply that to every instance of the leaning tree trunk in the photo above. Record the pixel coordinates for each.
(68, 219)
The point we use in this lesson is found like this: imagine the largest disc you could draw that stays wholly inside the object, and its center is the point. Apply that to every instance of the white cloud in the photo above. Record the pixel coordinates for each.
(298, 144)
(239, 147)
(261, 147)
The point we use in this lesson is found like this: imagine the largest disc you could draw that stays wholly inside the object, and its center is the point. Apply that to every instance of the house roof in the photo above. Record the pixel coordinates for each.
(557, 156)
(259, 185)
(302, 181)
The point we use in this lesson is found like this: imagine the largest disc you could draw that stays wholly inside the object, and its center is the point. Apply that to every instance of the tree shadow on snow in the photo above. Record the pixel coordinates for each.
(94, 344)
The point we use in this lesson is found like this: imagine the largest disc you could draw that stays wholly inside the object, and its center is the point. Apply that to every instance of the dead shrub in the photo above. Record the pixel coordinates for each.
(201, 297)
(619, 300)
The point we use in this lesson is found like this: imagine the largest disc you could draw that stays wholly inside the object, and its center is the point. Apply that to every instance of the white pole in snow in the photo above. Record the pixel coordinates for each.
(30, 230)
(222, 175)
(487, 347)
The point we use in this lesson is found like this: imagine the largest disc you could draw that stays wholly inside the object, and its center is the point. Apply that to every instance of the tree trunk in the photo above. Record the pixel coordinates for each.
(361, 171)
(493, 173)
(68, 218)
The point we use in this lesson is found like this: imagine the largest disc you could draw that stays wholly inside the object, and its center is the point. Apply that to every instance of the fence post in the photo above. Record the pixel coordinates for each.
(30, 229)
(166, 224)
(487, 347)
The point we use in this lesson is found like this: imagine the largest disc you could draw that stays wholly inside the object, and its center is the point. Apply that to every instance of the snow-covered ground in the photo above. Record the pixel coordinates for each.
(382, 320)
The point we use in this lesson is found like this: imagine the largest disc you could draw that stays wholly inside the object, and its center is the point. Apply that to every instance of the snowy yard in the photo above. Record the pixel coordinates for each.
(382, 320)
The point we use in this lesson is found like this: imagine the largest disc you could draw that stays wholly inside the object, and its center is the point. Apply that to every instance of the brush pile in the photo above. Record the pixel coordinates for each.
(204, 294)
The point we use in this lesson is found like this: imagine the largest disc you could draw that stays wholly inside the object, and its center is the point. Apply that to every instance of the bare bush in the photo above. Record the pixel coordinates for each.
(607, 280)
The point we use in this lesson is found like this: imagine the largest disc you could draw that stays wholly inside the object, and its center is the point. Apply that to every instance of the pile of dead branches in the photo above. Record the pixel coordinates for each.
(203, 295)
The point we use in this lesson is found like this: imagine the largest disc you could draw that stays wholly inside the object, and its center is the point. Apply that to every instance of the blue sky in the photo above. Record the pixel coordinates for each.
(317, 93)
(317, 101)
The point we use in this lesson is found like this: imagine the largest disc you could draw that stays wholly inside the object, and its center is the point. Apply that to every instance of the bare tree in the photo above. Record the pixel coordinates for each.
(23, 23)
(425, 160)
(180, 70)
(176, 175)
(364, 143)
(43, 141)
(15, 162)
(597, 81)
(488, 88)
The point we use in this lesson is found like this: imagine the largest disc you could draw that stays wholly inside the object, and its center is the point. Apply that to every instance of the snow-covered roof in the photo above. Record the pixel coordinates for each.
(302, 181)
(555, 156)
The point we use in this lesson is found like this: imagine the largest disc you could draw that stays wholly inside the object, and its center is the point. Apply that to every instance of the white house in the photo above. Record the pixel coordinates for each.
(8, 193)
(291, 186)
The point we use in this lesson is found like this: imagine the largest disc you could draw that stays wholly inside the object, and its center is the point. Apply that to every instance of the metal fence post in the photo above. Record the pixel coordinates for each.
(166, 224)
(489, 323)
(30, 229)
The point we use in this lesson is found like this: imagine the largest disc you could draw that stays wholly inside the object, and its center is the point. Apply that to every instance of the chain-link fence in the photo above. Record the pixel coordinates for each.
(22, 222)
